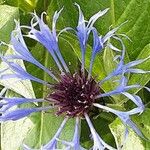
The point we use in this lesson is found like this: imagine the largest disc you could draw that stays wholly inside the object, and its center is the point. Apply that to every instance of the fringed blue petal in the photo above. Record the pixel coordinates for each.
(48, 38)
(119, 69)
(7, 103)
(55, 18)
(22, 52)
(113, 47)
(19, 73)
(3, 70)
(136, 62)
(99, 144)
(112, 32)
(94, 18)
(121, 88)
(124, 116)
(124, 68)
(84, 30)
(82, 34)
(137, 71)
(97, 47)
(20, 113)
(136, 99)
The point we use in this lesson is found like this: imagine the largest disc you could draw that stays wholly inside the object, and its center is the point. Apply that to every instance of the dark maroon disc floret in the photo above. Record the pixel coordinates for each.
(74, 94)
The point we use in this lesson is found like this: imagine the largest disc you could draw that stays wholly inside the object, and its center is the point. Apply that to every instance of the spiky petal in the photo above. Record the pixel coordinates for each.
(99, 144)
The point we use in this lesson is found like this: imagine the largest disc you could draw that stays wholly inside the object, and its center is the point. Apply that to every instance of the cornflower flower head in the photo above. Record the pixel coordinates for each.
(75, 95)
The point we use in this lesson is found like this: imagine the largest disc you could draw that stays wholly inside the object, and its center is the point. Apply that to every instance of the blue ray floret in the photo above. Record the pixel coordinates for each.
(84, 30)
(75, 95)
(47, 38)
(122, 67)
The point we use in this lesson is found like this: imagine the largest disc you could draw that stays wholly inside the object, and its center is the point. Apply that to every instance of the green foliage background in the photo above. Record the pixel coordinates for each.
(40, 128)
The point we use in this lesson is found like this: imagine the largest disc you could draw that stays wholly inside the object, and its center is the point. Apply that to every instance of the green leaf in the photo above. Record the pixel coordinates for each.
(7, 16)
(1, 2)
(68, 16)
(143, 124)
(118, 129)
(45, 127)
(137, 28)
(25, 5)
(13, 133)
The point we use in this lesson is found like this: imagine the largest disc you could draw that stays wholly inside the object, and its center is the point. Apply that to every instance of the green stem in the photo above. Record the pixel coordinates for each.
(44, 89)
(112, 12)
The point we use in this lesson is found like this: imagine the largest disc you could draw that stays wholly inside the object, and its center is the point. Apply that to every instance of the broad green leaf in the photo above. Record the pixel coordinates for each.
(144, 94)
(119, 12)
(45, 127)
(137, 27)
(68, 16)
(118, 129)
(7, 16)
(144, 124)
(25, 5)
(133, 11)
(14, 84)
(14, 133)
(1, 2)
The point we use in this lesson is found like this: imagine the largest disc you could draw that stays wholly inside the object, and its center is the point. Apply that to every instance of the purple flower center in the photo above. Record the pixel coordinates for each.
(74, 95)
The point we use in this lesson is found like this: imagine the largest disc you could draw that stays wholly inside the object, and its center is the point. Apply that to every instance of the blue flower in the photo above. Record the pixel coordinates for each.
(75, 95)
